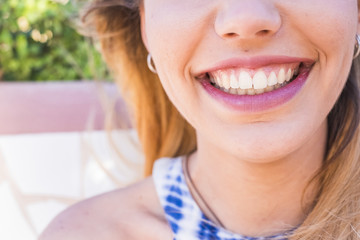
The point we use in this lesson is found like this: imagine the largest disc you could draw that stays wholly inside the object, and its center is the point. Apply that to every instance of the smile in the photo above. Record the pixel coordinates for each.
(241, 81)
(258, 84)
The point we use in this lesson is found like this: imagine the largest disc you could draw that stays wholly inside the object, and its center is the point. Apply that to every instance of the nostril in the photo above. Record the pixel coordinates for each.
(259, 33)
(231, 34)
(263, 32)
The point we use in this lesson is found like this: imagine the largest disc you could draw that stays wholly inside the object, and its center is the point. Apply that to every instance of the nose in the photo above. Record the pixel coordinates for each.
(247, 19)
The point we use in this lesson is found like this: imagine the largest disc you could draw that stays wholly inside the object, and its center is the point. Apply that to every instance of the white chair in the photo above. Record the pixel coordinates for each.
(55, 151)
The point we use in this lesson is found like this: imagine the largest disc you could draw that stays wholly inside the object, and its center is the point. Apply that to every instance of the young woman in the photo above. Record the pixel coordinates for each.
(251, 107)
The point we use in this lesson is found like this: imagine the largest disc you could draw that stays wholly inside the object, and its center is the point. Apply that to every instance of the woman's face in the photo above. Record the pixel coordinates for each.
(255, 78)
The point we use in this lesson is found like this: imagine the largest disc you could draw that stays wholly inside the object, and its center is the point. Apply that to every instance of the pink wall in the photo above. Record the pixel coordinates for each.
(55, 106)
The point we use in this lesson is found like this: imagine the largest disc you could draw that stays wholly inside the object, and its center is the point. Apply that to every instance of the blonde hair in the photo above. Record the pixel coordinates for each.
(335, 213)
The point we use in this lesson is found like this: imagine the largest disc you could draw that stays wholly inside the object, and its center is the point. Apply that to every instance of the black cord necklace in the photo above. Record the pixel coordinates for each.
(197, 196)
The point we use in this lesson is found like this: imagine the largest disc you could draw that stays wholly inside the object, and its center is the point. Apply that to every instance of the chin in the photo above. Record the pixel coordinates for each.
(263, 146)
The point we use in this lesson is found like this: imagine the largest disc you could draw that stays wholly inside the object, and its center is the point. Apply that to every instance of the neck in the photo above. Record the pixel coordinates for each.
(258, 199)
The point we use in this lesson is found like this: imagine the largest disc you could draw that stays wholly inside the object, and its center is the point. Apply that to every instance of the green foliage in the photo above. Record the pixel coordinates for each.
(39, 41)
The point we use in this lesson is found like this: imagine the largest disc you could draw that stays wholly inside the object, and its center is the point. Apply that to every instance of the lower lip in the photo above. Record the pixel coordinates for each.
(261, 102)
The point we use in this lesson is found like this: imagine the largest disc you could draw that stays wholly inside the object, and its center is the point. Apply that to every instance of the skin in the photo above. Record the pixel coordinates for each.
(267, 157)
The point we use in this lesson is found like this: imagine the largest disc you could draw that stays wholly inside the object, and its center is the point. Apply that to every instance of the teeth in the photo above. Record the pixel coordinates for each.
(269, 88)
(296, 72)
(234, 83)
(241, 91)
(251, 91)
(272, 80)
(240, 81)
(289, 75)
(260, 80)
(281, 76)
(218, 80)
(245, 80)
(233, 91)
(226, 81)
(259, 91)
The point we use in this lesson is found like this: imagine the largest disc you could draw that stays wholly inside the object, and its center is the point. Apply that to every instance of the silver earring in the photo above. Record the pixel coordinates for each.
(357, 46)
(150, 64)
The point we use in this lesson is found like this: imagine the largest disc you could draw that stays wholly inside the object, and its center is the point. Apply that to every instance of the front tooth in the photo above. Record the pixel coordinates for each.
(289, 75)
(260, 80)
(281, 77)
(234, 82)
(272, 80)
(245, 81)
(226, 81)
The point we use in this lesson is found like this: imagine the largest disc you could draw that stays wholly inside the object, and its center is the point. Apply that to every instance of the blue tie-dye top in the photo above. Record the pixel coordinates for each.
(183, 214)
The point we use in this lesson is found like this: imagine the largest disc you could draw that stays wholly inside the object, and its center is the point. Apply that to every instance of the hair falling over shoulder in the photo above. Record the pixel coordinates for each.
(164, 132)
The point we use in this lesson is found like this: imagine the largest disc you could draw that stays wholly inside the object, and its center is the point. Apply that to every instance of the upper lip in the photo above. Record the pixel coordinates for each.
(254, 63)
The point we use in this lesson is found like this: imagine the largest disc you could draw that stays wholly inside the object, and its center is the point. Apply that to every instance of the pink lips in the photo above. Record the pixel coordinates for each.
(260, 102)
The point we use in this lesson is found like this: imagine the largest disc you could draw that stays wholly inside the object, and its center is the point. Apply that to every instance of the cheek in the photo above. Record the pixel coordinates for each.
(329, 24)
(174, 30)
(172, 42)
(331, 33)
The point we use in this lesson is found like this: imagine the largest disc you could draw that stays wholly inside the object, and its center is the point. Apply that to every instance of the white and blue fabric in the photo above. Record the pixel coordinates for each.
(182, 212)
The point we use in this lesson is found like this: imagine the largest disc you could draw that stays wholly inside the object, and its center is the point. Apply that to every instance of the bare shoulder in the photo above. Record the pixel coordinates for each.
(130, 213)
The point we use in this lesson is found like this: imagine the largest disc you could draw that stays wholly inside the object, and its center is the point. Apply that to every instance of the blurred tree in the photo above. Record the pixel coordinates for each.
(39, 42)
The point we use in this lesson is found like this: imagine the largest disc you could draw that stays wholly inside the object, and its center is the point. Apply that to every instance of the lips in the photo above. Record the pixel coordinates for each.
(251, 86)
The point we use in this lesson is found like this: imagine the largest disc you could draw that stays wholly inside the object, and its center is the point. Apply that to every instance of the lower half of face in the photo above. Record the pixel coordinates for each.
(254, 78)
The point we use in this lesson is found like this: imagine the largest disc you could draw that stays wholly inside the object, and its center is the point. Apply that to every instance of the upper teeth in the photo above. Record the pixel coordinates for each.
(251, 79)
